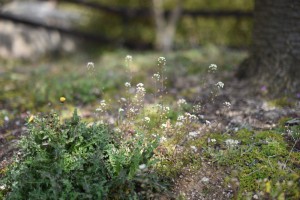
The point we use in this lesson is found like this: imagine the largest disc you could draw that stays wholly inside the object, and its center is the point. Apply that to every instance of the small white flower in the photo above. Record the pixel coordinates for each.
(118, 130)
(213, 140)
(231, 142)
(156, 76)
(6, 118)
(162, 139)
(191, 117)
(140, 90)
(132, 110)
(142, 166)
(220, 84)
(193, 134)
(194, 148)
(128, 58)
(147, 119)
(181, 118)
(140, 85)
(161, 61)
(167, 109)
(102, 103)
(164, 125)
(127, 84)
(2, 187)
(207, 122)
(181, 102)
(213, 67)
(121, 110)
(197, 108)
(90, 65)
(227, 104)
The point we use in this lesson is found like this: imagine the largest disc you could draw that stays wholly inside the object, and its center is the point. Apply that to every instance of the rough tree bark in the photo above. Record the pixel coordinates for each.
(165, 27)
(274, 59)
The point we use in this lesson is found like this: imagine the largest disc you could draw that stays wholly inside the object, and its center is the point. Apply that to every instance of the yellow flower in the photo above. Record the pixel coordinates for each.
(268, 187)
(30, 118)
(62, 99)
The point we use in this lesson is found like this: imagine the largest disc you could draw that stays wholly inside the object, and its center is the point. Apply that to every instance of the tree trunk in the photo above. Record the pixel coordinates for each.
(274, 59)
(165, 27)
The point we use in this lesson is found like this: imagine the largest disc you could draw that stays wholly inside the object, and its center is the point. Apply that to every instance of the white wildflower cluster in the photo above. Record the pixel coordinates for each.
(2, 187)
(181, 118)
(294, 134)
(220, 84)
(6, 118)
(181, 102)
(231, 142)
(197, 108)
(179, 121)
(194, 148)
(118, 130)
(90, 65)
(140, 88)
(211, 140)
(133, 110)
(165, 109)
(127, 84)
(227, 104)
(186, 118)
(193, 134)
(191, 117)
(103, 103)
(147, 119)
(102, 106)
(162, 61)
(128, 58)
(213, 67)
(156, 76)
(162, 139)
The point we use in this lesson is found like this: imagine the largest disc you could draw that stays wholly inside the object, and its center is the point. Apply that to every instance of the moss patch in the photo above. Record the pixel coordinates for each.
(263, 163)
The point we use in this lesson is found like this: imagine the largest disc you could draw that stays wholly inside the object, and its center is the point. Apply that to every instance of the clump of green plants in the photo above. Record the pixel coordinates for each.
(133, 144)
(263, 165)
(72, 160)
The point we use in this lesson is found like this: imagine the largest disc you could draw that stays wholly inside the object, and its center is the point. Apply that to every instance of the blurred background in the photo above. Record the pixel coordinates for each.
(46, 45)
(31, 29)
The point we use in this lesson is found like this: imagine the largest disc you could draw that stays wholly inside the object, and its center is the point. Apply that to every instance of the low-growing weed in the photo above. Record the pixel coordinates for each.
(72, 160)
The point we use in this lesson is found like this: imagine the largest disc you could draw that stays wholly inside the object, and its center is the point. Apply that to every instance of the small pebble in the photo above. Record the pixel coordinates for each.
(205, 179)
